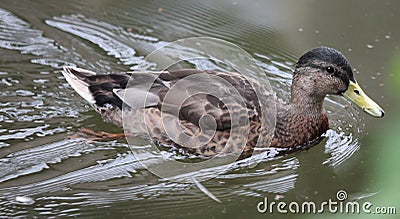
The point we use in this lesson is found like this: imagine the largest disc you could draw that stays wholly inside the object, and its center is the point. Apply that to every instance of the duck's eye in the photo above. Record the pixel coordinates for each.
(330, 69)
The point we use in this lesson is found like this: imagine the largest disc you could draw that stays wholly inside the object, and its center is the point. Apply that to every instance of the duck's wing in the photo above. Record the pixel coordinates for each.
(190, 93)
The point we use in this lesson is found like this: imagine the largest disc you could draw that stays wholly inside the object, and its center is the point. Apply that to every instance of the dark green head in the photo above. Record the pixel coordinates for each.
(329, 60)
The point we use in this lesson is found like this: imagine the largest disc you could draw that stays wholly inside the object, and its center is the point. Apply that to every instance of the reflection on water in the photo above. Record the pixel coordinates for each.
(108, 37)
(72, 177)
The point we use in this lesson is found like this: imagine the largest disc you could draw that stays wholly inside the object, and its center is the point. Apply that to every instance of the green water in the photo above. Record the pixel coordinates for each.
(45, 174)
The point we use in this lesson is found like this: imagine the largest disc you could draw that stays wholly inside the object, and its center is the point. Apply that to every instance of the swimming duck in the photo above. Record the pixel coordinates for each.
(301, 122)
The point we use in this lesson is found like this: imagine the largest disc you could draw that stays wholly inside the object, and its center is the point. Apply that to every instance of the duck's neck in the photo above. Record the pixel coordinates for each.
(306, 101)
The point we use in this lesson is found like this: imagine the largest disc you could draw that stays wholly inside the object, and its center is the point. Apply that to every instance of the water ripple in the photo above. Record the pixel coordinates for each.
(37, 165)
(36, 159)
(16, 34)
(125, 166)
(107, 36)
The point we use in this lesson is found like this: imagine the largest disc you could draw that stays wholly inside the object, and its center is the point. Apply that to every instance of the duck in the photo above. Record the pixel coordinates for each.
(299, 123)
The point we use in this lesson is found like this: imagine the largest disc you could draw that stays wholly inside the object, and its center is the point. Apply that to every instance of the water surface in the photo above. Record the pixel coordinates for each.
(46, 174)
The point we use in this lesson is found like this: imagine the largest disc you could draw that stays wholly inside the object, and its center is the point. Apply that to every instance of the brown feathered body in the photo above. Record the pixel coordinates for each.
(297, 124)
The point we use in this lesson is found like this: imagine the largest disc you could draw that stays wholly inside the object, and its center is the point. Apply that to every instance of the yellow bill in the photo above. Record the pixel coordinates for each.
(355, 94)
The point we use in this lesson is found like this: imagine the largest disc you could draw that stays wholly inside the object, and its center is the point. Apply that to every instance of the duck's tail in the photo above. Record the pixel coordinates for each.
(78, 79)
(97, 89)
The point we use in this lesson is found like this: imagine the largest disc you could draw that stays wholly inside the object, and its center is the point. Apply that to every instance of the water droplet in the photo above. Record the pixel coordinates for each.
(387, 37)
(369, 46)
(316, 31)
(300, 29)
(25, 200)
(350, 49)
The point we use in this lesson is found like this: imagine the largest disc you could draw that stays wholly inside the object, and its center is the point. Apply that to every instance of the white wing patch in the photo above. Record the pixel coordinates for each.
(137, 98)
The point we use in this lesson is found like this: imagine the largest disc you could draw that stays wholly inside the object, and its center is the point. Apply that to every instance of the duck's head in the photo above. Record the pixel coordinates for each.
(324, 70)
